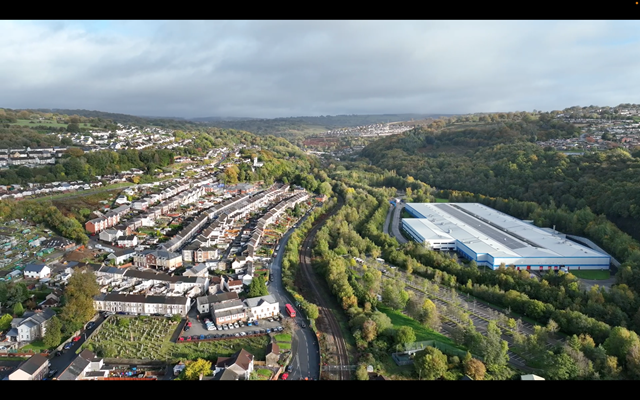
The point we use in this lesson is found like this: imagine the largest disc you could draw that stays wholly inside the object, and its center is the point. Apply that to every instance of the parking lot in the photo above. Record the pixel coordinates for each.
(199, 329)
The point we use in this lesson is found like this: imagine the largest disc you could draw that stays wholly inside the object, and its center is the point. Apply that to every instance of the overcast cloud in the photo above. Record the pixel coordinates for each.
(274, 69)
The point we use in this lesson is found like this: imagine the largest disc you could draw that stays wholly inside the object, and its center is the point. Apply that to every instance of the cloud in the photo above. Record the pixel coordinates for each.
(287, 68)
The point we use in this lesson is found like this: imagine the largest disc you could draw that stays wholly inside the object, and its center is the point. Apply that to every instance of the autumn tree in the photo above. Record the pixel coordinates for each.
(474, 368)
(429, 315)
(193, 370)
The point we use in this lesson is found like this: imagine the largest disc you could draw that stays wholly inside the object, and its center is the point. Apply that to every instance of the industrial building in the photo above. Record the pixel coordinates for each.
(492, 238)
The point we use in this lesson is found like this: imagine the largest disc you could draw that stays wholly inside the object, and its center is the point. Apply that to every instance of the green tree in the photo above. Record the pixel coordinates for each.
(493, 349)
(257, 287)
(53, 334)
(430, 363)
(18, 310)
(361, 373)
(404, 334)
(193, 370)
(620, 342)
(5, 322)
(80, 290)
(311, 310)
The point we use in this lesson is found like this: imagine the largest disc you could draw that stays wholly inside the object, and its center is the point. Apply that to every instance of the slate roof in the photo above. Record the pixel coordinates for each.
(33, 364)
(34, 267)
(256, 301)
(138, 298)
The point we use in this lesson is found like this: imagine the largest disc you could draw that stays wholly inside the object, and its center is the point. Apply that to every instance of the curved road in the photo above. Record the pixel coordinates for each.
(304, 346)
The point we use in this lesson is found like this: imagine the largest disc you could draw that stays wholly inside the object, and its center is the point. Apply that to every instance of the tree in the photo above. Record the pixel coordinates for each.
(5, 322)
(474, 368)
(80, 290)
(193, 370)
(404, 334)
(394, 295)
(361, 373)
(18, 310)
(53, 334)
(429, 315)
(257, 287)
(620, 342)
(311, 310)
(493, 349)
(369, 330)
(430, 363)
(325, 188)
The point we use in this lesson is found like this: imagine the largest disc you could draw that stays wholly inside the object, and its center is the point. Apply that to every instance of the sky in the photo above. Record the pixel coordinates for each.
(270, 69)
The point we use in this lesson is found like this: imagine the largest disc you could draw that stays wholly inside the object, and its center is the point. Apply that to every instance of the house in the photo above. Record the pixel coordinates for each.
(31, 326)
(204, 302)
(531, 377)
(86, 366)
(233, 286)
(122, 199)
(262, 307)
(237, 367)
(52, 300)
(216, 284)
(120, 256)
(34, 369)
(37, 271)
(158, 259)
(110, 235)
(228, 312)
(141, 304)
(128, 241)
(272, 355)
(197, 270)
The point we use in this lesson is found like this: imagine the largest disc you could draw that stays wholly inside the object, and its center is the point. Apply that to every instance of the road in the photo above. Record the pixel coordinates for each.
(304, 346)
(62, 362)
(395, 223)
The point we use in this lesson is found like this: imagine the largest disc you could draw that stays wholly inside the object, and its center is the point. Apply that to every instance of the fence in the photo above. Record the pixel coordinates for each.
(134, 361)
(411, 348)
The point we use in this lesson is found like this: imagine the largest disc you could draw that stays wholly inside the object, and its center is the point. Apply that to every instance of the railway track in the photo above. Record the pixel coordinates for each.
(320, 298)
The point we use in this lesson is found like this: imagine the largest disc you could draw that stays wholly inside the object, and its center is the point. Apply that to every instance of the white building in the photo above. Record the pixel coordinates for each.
(37, 271)
(139, 304)
(262, 307)
(492, 238)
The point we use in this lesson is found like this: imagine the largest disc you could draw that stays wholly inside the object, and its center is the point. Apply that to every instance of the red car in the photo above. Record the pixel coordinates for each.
(188, 338)
(285, 376)
(75, 339)
(181, 339)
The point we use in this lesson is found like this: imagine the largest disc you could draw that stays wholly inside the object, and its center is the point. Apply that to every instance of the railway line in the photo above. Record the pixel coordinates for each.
(321, 298)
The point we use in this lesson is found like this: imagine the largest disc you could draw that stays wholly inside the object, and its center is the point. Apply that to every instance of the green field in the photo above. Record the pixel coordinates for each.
(422, 333)
(27, 123)
(441, 200)
(591, 275)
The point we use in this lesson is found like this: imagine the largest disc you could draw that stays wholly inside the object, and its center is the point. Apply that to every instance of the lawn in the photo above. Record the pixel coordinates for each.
(441, 200)
(283, 337)
(36, 346)
(263, 374)
(422, 333)
(592, 275)
(149, 338)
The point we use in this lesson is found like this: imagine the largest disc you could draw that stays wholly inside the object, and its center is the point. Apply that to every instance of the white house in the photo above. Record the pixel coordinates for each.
(128, 241)
(110, 235)
(262, 307)
(120, 256)
(34, 369)
(233, 286)
(36, 271)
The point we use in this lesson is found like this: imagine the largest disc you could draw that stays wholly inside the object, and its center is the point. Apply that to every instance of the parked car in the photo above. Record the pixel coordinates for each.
(236, 325)
(52, 373)
(75, 339)
(58, 353)
(256, 323)
(243, 334)
(90, 325)
(186, 328)
(68, 346)
(268, 330)
(249, 323)
(188, 338)
(181, 339)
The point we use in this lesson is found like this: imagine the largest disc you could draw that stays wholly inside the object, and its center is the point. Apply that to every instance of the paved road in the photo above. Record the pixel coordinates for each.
(304, 346)
(62, 362)
(395, 224)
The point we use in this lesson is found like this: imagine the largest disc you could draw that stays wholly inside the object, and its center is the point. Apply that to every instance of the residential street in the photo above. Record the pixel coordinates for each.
(62, 362)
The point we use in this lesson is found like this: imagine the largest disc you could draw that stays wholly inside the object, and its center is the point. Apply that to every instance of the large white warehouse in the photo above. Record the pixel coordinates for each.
(491, 238)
